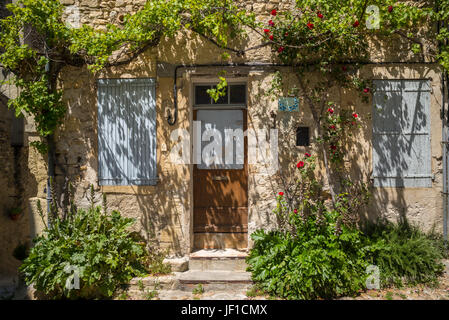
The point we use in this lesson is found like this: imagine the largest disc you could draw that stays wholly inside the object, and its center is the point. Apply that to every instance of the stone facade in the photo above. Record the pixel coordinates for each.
(164, 212)
(13, 172)
(9, 191)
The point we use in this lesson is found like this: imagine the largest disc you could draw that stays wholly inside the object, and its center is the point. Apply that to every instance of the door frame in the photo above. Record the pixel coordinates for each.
(206, 80)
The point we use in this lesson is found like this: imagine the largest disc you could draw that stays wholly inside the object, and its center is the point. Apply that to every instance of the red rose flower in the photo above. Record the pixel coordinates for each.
(295, 211)
(310, 25)
(319, 15)
(266, 30)
(333, 147)
(366, 90)
(271, 37)
(308, 155)
(281, 193)
(300, 164)
(332, 127)
(280, 49)
(273, 12)
(271, 23)
(356, 24)
(330, 110)
(390, 8)
(355, 115)
(286, 34)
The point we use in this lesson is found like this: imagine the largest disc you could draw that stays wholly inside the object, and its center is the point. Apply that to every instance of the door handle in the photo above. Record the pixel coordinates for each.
(220, 178)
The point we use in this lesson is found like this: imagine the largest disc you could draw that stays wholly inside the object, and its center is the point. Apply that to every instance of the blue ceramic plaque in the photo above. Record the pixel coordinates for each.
(288, 104)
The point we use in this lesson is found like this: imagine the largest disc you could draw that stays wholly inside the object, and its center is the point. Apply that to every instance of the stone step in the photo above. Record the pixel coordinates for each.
(214, 280)
(218, 260)
(178, 264)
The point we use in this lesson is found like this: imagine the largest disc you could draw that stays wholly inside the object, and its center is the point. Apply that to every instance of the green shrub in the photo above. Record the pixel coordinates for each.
(318, 252)
(405, 254)
(316, 262)
(317, 249)
(96, 244)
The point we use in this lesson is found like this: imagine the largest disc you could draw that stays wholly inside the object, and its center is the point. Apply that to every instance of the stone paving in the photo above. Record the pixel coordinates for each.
(165, 288)
(185, 295)
(419, 292)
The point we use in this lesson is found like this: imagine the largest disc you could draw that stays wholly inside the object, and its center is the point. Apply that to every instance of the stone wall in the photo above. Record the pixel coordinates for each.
(164, 212)
(160, 211)
(12, 170)
(7, 201)
(22, 170)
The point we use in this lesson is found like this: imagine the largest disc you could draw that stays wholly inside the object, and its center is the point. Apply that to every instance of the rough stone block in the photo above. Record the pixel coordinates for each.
(90, 3)
(178, 264)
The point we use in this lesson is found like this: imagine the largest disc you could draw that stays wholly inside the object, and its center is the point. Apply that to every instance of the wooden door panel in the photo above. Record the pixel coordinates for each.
(222, 188)
(221, 219)
(217, 240)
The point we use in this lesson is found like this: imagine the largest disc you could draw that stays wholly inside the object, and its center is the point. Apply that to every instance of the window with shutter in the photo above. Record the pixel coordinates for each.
(127, 132)
(401, 134)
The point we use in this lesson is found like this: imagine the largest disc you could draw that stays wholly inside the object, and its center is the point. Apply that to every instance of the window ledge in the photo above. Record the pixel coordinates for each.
(128, 189)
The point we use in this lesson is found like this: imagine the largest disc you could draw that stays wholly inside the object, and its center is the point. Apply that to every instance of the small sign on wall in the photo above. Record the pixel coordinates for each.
(288, 104)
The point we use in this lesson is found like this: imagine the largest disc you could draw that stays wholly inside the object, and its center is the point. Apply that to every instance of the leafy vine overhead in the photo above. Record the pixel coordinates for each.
(335, 31)
(442, 15)
(35, 42)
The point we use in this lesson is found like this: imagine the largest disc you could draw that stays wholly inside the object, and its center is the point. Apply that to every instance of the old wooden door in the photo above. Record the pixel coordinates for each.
(221, 182)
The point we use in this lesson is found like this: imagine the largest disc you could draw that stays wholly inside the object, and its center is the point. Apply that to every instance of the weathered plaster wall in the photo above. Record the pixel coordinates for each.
(159, 210)
(423, 206)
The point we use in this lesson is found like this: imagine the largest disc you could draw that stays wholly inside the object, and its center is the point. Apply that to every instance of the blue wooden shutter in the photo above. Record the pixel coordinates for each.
(127, 132)
(401, 134)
